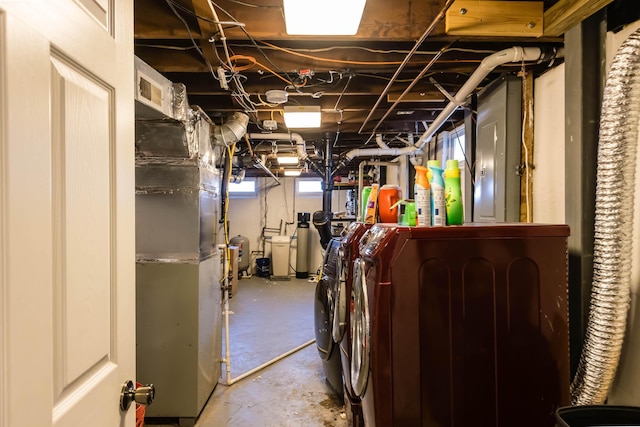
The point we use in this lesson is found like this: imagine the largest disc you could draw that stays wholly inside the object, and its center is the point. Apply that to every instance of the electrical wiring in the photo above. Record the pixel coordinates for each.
(253, 41)
(254, 5)
(162, 46)
(230, 151)
(335, 61)
(252, 62)
(379, 51)
(170, 3)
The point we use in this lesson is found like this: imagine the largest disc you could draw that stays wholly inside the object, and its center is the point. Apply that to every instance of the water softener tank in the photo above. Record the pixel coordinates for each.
(302, 255)
(244, 254)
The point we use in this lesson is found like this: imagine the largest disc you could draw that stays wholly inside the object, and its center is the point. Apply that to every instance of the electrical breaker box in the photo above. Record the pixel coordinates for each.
(499, 136)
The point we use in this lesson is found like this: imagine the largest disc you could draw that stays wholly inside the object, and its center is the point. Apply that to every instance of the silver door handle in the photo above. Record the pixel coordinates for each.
(143, 395)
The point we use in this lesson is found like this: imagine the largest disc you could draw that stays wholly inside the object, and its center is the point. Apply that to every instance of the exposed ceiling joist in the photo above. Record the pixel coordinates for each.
(565, 14)
(495, 18)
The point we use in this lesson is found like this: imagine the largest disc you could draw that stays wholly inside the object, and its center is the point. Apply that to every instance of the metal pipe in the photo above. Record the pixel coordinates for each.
(412, 84)
(426, 33)
(258, 162)
(328, 179)
(610, 292)
(231, 131)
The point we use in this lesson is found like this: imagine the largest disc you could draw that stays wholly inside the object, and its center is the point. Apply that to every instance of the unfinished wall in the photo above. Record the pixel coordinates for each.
(275, 203)
(549, 151)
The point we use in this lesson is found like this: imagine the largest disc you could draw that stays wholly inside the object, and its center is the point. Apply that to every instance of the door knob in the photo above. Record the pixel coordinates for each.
(142, 395)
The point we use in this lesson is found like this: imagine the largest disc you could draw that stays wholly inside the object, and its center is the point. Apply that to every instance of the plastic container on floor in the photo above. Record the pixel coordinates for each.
(262, 265)
(598, 415)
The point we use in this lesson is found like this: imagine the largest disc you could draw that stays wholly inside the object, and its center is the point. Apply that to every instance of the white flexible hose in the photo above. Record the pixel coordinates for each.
(617, 149)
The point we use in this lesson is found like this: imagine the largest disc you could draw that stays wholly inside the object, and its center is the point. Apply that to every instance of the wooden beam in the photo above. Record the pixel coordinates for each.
(567, 13)
(495, 18)
(526, 177)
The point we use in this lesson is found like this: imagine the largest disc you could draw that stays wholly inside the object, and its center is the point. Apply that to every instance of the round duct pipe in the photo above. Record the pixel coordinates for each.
(231, 131)
(610, 298)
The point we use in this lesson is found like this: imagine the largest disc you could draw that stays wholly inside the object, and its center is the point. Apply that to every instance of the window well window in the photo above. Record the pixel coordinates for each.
(248, 187)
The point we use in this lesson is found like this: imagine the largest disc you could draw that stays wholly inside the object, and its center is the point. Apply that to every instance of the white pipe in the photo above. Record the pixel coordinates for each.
(371, 152)
(227, 357)
(381, 142)
(266, 364)
(488, 64)
(300, 144)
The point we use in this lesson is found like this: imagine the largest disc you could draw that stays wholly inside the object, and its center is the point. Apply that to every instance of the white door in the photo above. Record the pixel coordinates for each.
(67, 278)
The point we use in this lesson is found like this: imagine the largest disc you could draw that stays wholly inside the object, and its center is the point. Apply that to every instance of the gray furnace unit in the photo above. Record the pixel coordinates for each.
(178, 265)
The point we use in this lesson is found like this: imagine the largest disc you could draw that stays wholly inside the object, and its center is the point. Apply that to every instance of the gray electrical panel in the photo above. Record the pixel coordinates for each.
(499, 134)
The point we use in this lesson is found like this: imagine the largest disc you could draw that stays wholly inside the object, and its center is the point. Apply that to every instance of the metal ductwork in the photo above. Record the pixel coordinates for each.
(488, 64)
(231, 131)
(610, 294)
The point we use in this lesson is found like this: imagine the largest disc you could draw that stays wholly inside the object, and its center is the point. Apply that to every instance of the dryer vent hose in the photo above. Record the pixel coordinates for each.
(613, 227)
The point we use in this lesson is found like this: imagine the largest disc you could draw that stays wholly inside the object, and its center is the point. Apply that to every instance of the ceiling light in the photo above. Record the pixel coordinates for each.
(302, 117)
(292, 172)
(332, 17)
(288, 160)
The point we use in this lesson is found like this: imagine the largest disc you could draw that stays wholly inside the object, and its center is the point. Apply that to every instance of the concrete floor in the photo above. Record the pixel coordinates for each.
(270, 318)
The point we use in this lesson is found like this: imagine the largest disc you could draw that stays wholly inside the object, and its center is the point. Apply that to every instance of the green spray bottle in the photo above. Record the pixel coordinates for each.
(438, 210)
(453, 193)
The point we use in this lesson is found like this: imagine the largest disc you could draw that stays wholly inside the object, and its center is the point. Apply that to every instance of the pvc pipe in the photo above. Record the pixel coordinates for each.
(300, 144)
(381, 142)
(227, 358)
(266, 364)
(488, 64)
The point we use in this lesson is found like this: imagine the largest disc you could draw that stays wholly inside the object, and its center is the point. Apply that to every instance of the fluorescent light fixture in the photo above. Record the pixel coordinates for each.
(302, 117)
(292, 172)
(288, 160)
(326, 18)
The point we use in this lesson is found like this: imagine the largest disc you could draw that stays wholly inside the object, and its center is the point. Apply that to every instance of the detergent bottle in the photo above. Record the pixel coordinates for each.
(422, 193)
(438, 210)
(430, 163)
(453, 193)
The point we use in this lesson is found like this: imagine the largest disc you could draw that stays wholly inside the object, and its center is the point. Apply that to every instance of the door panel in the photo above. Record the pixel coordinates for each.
(82, 231)
(66, 212)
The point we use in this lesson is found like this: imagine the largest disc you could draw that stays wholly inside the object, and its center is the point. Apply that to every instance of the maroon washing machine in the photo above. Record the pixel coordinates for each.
(461, 326)
(349, 251)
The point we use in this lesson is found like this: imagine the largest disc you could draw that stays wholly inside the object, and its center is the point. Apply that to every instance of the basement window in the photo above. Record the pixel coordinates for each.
(248, 187)
(308, 187)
